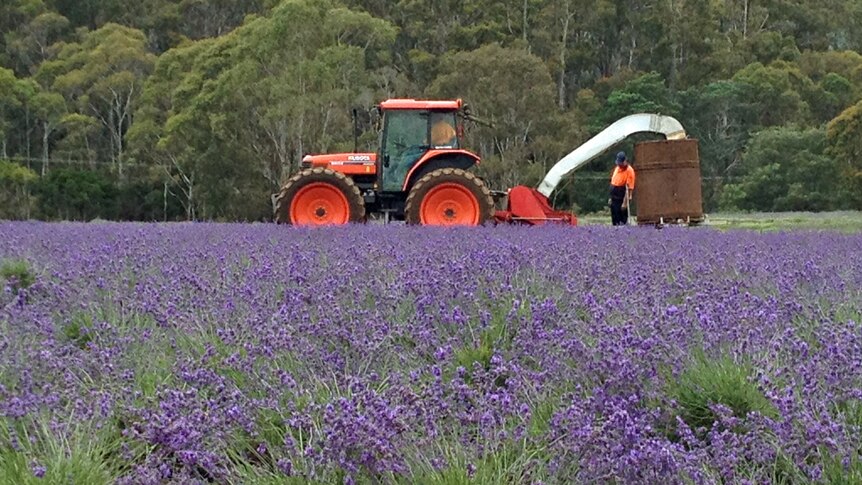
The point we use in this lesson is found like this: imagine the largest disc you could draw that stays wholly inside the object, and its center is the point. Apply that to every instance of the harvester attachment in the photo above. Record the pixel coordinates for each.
(531, 206)
(528, 206)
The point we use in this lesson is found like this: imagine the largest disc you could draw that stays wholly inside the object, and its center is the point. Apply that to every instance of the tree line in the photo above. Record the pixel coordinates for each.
(199, 109)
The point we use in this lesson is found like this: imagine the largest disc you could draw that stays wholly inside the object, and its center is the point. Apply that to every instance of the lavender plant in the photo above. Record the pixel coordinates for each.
(203, 353)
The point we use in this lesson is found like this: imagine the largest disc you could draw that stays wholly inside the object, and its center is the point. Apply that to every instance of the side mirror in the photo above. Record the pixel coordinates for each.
(386, 160)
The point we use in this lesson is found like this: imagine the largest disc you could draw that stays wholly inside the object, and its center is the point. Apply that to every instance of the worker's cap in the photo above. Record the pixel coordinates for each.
(621, 157)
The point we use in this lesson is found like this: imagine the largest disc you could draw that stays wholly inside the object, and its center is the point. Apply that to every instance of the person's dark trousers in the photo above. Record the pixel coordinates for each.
(619, 214)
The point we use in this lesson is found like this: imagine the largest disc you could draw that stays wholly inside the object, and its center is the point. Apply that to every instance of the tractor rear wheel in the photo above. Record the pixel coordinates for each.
(449, 197)
(317, 197)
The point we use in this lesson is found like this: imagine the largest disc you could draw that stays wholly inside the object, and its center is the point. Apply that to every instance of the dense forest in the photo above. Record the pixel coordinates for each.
(198, 109)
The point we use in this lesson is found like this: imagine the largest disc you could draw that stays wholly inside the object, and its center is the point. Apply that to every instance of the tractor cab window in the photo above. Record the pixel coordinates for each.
(406, 140)
(443, 130)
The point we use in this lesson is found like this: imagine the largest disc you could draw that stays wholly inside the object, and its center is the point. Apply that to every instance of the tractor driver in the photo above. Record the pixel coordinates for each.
(443, 134)
(622, 186)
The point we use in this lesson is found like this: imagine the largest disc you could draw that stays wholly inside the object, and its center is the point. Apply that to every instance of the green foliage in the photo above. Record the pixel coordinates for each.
(496, 338)
(540, 421)
(767, 47)
(845, 145)
(786, 169)
(145, 199)
(497, 465)
(12, 93)
(252, 475)
(78, 330)
(708, 381)
(101, 75)
(644, 94)
(479, 353)
(836, 473)
(15, 182)
(837, 93)
(273, 82)
(76, 195)
(28, 45)
(74, 456)
(17, 273)
(220, 100)
(774, 92)
(14, 174)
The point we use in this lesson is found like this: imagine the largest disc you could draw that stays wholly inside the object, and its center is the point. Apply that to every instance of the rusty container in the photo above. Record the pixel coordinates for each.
(668, 182)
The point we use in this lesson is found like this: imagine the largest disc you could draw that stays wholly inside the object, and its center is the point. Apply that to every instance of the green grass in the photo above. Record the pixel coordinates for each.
(251, 475)
(17, 273)
(709, 381)
(78, 330)
(834, 472)
(513, 463)
(781, 221)
(498, 336)
(82, 455)
(844, 221)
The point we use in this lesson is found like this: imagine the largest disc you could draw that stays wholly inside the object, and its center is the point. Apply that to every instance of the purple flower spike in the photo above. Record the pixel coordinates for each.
(221, 353)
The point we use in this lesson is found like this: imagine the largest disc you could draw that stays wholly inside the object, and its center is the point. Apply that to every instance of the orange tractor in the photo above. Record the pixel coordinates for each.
(421, 174)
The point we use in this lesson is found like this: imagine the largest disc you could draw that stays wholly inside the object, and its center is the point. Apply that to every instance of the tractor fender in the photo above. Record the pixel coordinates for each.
(436, 159)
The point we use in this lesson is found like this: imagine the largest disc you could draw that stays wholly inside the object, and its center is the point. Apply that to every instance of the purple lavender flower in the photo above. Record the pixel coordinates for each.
(208, 351)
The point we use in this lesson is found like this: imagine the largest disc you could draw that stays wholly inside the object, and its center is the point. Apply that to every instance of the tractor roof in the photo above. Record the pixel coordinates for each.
(421, 104)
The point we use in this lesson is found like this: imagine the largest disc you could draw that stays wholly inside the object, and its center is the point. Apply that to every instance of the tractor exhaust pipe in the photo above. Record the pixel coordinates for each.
(355, 130)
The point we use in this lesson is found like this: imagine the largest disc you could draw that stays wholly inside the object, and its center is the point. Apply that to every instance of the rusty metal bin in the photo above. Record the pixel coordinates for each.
(668, 183)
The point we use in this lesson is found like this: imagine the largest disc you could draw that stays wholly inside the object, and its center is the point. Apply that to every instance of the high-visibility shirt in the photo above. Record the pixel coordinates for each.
(622, 178)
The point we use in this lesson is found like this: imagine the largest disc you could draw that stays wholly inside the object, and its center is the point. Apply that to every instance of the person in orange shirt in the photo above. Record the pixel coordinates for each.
(622, 187)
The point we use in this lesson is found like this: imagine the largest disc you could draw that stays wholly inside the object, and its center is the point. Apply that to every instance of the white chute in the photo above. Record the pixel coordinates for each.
(610, 136)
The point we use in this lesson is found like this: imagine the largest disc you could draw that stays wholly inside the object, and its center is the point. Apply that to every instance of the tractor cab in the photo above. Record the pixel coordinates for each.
(413, 132)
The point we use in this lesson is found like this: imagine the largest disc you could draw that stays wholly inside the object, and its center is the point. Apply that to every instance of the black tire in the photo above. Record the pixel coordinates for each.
(355, 202)
(458, 176)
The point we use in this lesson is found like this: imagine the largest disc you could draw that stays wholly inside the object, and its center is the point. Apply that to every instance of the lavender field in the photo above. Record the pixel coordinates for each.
(256, 354)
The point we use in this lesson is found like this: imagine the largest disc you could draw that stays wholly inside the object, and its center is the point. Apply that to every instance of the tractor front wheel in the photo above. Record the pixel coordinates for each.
(449, 197)
(318, 197)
